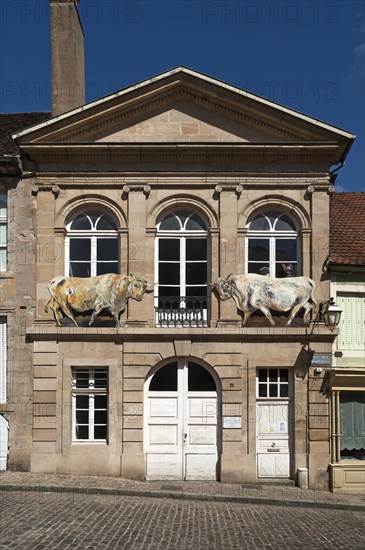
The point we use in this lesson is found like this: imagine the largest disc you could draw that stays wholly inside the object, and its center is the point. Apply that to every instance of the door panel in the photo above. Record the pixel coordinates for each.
(181, 430)
(273, 455)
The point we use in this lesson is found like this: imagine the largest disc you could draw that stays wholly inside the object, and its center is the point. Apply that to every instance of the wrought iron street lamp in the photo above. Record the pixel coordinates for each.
(331, 314)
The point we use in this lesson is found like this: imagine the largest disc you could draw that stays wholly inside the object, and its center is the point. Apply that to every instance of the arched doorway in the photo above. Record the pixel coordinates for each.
(181, 422)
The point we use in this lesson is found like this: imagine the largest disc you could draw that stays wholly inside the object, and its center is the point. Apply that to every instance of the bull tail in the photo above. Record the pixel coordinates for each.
(52, 297)
(46, 304)
(312, 298)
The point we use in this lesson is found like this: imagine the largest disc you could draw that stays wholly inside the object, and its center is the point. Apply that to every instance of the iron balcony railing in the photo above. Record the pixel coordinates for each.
(182, 311)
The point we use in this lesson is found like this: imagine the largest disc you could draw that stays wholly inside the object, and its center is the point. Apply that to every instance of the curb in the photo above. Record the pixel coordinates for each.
(106, 491)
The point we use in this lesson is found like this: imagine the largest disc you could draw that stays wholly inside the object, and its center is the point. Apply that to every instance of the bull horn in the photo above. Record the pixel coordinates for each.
(210, 286)
(150, 288)
(229, 277)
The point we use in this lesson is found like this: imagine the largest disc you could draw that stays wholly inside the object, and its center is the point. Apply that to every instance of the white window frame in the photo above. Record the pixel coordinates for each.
(278, 383)
(182, 235)
(91, 391)
(92, 235)
(4, 223)
(3, 360)
(272, 235)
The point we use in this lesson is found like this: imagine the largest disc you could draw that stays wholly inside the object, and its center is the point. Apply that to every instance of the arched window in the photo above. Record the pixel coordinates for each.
(91, 245)
(272, 245)
(182, 269)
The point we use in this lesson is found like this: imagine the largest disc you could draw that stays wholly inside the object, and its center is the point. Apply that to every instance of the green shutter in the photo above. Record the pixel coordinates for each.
(352, 324)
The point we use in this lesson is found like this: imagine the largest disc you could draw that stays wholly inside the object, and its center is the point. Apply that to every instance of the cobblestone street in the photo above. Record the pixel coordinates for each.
(39, 520)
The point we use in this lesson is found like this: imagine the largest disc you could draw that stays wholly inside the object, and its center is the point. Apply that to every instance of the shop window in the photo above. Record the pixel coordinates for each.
(3, 231)
(273, 383)
(182, 270)
(90, 405)
(92, 245)
(272, 245)
(352, 422)
(3, 360)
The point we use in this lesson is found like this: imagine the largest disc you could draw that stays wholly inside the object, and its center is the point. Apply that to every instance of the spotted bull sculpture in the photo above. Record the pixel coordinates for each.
(110, 291)
(258, 292)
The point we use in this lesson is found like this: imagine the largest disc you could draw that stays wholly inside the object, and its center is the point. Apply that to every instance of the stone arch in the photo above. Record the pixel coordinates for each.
(293, 208)
(80, 204)
(183, 201)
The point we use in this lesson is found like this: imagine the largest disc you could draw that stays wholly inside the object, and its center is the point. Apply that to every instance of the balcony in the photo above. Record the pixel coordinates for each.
(182, 311)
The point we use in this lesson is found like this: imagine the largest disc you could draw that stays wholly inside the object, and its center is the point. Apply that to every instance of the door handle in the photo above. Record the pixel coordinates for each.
(185, 436)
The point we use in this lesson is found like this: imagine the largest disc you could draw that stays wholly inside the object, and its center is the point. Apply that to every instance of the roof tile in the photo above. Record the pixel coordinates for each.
(347, 229)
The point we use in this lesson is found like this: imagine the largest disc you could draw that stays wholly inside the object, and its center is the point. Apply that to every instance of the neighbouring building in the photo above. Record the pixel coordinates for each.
(180, 179)
(346, 263)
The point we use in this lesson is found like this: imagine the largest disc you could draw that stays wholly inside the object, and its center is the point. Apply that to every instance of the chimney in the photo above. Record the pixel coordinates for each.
(67, 56)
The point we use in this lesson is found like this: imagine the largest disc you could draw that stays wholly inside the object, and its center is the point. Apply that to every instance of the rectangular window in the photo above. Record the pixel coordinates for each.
(3, 360)
(352, 414)
(273, 383)
(90, 405)
(3, 231)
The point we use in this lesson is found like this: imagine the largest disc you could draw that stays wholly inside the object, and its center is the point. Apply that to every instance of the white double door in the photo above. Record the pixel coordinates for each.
(181, 423)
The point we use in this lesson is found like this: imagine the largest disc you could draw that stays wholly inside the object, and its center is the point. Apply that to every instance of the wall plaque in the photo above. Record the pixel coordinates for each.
(231, 422)
(322, 359)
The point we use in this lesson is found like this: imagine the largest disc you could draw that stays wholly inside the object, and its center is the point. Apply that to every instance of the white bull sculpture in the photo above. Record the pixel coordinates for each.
(254, 292)
(110, 291)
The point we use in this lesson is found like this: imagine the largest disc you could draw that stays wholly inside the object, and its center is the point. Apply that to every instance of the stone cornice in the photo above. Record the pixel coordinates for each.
(161, 153)
(234, 333)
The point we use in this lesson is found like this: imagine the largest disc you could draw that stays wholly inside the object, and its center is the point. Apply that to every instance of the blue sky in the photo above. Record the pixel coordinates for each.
(307, 55)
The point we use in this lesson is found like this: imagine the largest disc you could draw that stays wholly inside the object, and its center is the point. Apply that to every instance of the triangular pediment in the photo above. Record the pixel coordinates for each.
(182, 106)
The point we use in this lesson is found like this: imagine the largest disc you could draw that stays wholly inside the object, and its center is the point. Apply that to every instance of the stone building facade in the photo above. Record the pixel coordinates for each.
(179, 179)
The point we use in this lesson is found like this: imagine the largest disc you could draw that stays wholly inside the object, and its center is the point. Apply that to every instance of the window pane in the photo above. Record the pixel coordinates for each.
(273, 390)
(3, 204)
(285, 270)
(100, 417)
(284, 375)
(262, 390)
(284, 223)
(82, 432)
(170, 223)
(196, 249)
(286, 250)
(169, 249)
(168, 291)
(82, 417)
(259, 223)
(196, 273)
(107, 249)
(261, 269)
(197, 291)
(80, 249)
(82, 401)
(80, 270)
(109, 267)
(106, 223)
(100, 401)
(169, 274)
(262, 375)
(199, 379)
(273, 375)
(273, 215)
(100, 432)
(3, 238)
(182, 215)
(195, 223)
(284, 390)
(101, 379)
(82, 379)
(258, 250)
(2, 260)
(165, 378)
(81, 223)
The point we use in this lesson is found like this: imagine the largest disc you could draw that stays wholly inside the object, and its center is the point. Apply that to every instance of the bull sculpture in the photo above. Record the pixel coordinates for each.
(110, 291)
(258, 292)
